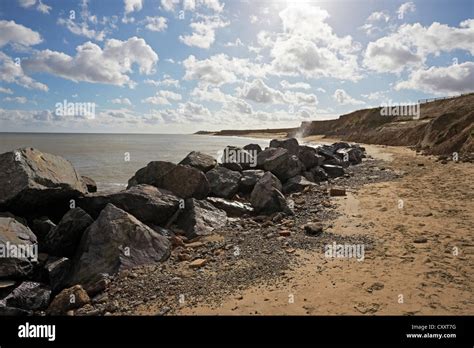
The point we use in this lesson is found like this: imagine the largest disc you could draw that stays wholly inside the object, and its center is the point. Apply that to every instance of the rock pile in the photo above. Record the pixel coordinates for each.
(59, 237)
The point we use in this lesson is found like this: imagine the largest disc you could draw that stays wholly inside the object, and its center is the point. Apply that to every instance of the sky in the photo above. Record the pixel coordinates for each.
(179, 66)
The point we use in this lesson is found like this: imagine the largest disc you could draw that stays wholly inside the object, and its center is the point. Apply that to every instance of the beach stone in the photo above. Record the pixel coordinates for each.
(114, 242)
(198, 263)
(253, 148)
(68, 299)
(29, 296)
(147, 203)
(63, 239)
(183, 181)
(14, 234)
(90, 184)
(200, 218)
(57, 270)
(266, 197)
(232, 208)
(333, 171)
(309, 156)
(223, 182)
(296, 184)
(199, 160)
(334, 192)
(32, 181)
(313, 228)
(41, 227)
(290, 144)
(249, 179)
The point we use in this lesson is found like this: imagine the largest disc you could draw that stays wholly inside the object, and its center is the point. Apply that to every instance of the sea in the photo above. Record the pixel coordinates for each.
(112, 159)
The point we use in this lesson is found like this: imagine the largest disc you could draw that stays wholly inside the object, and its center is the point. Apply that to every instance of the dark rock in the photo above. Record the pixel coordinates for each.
(6, 287)
(333, 171)
(35, 182)
(340, 145)
(13, 311)
(89, 183)
(352, 155)
(200, 161)
(97, 284)
(114, 242)
(266, 197)
(232, 154)
(249, 179)
(16, 237)
(280, 163)
(254, 149)
(319, 174)
(297, 183)
(232, 208)
(291, 144)
(64, 238)
(147, 203)
(223, 182)
(29, 296)
(232, 166)
(200, 218)
(329, 154)
(309, 157)
(183, 181)
(308, 176)
(335, 192)
(41, 227)
(313, 229)
(68, 299)
(57, 270)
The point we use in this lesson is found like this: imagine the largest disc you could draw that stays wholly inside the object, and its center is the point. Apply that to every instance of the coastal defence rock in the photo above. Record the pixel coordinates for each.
(183, 181)
(249, 179)
(63, 239)
(253, 148)
(353, 155)
(223, 182)
(14, 235)
(297, 183)
(238, 159)
(319, 174)
(200, 161)
(32, 181)
(280, 163)
(29, 296)
(147, 203)
(309, 157)
(290, 144)
(90, 184)
(333, 171)
(114, 242)
(266, 197)
(200, 218)
(232, 208)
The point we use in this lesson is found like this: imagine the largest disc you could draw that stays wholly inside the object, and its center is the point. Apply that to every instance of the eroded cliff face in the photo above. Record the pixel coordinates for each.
(444, 126)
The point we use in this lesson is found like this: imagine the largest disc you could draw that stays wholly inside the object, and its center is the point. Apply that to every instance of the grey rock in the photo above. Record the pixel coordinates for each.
(280, 163)
(266, 197)
(41, 227)
(89, 183)
(253, 148)
(249, 179)
(29, 296)
(200, 161)
(309, 157)
(291, 144)
(333, 171)
(57, 270)
(232, 208)
(319, 174)
(200, 218)
(223, 182)
(297, 183)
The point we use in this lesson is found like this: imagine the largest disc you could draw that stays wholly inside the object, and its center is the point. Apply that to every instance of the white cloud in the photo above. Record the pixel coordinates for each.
(122, 101)
(405, 8)
(308, 46)
(457, 78)
(82, 28)
(253, 19)
(167, 81)
(163, 97)
(18, 100)
(11, 72)
(133, 6)
(156, 23)
(320, 89)
(17, 33)
(410, 45)
(184, 113)
(41, 7)
(377, 22)
(191, 5)
(343, 98)
(6, 90)
(93, 64)
(220, 69)
(170, 5)
(297, 85)
(204, 32)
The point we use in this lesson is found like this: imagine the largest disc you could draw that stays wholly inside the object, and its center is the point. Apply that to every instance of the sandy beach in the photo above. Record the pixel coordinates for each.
(421, 261)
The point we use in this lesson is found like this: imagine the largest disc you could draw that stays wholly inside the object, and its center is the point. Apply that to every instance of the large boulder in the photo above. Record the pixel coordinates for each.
(309, 157)
(183, 181)
(244, 158)
(200, 218)
(147, 203)
(20, 245)
(114, 242)
(266, 196)
(29, 296)
(224, 182)
(200, 161)
(254, 149)
(63, 239)
(318, 174)
(232, 208)
(333, 171)
(89, 183)
(353, 155)
(280, 163)
(291, 144)
(249, 179)
(329, 154)
(56, 272)
(41, 227)
(32, 181)
(297, 183)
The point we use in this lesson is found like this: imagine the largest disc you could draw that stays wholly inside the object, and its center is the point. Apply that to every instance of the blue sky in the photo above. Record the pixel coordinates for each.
(171, 66)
